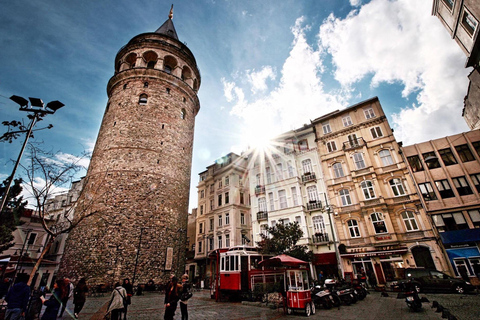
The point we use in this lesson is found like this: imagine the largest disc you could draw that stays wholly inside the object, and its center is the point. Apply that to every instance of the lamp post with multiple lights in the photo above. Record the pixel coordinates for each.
(37, 111)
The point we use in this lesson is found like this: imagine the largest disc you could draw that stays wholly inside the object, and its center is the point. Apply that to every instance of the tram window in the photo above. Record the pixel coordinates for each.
(227, 264)
(232, 263)
(222, 264)
(254, 262)
(236, 262)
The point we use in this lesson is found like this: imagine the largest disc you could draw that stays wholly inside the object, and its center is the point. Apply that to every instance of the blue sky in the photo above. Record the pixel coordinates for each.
(267, 66)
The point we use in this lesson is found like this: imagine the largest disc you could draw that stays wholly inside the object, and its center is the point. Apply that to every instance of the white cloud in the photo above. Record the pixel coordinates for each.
(355, 3)
(258, 80)
(399, 41)
(298, 98)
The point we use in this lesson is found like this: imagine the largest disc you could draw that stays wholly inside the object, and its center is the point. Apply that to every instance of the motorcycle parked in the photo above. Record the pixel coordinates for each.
(323, 297)
(360, 290)
(413, 301)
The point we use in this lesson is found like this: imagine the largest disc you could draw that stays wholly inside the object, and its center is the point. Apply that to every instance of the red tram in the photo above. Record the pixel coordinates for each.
(236, 272)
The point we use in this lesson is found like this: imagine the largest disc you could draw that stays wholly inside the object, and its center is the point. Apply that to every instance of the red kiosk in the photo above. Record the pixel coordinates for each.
(296, 283)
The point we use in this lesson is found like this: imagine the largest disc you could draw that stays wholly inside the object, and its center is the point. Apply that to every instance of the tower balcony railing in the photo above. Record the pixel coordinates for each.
(262, 215)
(354, 144)
(309, 176)
(259, 190)
(314, 205)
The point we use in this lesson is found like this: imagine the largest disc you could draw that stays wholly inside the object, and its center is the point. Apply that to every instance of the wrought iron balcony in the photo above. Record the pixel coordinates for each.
(262, 215)
(317, 205)
(320, 238)
(259, 190)
(308, 177)
(353, 144)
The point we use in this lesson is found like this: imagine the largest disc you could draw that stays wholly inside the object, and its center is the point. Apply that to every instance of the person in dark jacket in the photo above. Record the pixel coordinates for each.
(79, 296)
(17, 298)
(129, 288)
(54, 303)
(184, 296)
(172, 295)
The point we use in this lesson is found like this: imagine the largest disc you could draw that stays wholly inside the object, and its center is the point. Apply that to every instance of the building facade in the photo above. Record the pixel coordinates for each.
(382, 227)
(223, 213)
(447, 175)
(287, 186)
(139, 174)
(461, 19)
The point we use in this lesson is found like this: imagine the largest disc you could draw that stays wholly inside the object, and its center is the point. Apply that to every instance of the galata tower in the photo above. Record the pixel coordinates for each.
(139, 175)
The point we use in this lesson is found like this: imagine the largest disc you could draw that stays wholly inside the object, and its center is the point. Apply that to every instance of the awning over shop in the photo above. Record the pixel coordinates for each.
(324, 258)
(463, 252)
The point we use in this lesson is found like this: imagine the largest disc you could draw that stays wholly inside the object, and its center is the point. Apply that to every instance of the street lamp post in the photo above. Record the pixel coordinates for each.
(337, 254)
(37, 111)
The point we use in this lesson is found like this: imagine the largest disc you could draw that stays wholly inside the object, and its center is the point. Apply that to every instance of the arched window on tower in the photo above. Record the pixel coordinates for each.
(186, 73)
(150, 58)
(169, 63)
(183, 114)
(131, 59)
(143, 99)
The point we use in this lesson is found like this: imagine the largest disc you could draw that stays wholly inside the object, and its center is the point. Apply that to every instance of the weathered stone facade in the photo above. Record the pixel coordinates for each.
(139, 175)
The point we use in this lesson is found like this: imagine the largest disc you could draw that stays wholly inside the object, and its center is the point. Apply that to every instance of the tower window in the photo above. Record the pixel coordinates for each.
(143, 99)
(183, 114)
(124, 86)
(145, 84)
(168, 90)
(151, 64)
(168, 69)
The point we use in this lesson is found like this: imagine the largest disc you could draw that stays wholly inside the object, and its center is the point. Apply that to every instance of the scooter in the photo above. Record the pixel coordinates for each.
(323, 297)
(412, 299)
(360, 291)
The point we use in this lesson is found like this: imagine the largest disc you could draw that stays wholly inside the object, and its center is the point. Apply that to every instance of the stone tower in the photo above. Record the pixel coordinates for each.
(139, 174)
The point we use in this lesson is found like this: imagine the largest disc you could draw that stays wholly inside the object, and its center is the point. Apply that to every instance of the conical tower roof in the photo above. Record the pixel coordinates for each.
(167, 27)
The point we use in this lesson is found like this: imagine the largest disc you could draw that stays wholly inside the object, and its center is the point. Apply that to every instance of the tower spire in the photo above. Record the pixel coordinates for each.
(170, 15)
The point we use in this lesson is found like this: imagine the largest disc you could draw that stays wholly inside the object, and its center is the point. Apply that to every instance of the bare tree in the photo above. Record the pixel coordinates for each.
(45, 173)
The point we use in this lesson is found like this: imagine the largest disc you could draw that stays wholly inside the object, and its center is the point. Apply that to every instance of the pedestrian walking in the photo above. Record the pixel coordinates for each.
(68, 292)
(79, 296)
(17, 298)
(117, 302)
(172, 295)
(54, 303)
(184, 296)
(129, 289)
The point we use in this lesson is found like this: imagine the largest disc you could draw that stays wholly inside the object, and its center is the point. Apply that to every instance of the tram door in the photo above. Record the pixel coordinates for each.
(244, 273)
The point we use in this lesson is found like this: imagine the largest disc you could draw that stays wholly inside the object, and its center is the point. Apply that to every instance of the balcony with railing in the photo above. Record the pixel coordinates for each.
(314, 205)
(309, 176)
(354, 144)
(262, 215)
(320, 238)
(259, 190)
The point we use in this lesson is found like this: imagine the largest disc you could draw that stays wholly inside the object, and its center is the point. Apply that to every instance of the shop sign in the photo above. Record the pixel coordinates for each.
(374, 254)
(385, 237)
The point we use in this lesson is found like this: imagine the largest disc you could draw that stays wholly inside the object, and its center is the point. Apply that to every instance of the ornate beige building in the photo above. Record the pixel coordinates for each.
(382, 227)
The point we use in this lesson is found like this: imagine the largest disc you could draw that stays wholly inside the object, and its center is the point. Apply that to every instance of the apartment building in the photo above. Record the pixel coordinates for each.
(223, 213)
(447, 175)
(381, 225)
(287, 186)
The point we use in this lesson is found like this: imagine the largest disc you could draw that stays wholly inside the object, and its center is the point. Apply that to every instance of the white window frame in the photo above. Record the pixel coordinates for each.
(220, 220)
(262, 204)
(347, 121)
(397, 186)
(227, 241)
(368, 189)
(282, 198)
(331, 146)
(338, 170)
(369, 113)
(410, 221)
(326, 127)
(279, 172)
(318, 224)
(307, 166)
(242, 218)
(345, 197)
(294, 196)
(376, 132)
(359, 161)
(353, 228)
(468, 19)
(312, 193)
(377, 221)
(271, 199)
(227, 218)
(386, 157)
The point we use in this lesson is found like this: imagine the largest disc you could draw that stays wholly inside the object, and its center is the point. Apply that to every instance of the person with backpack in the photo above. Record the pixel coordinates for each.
(79, 296)
(118, 301)
(184, 296)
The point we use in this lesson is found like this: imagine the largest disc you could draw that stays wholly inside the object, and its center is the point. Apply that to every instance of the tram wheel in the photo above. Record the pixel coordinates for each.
(308, 310)
(289, 311)
(313, 307)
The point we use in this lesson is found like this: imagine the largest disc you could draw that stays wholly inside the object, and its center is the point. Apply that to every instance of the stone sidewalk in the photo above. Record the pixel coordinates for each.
(201, 307)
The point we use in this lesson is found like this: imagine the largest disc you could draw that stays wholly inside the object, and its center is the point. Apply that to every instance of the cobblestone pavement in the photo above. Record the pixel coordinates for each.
(374, 307)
